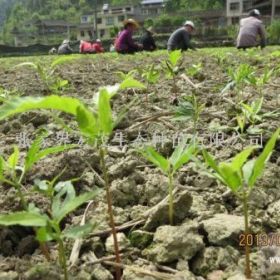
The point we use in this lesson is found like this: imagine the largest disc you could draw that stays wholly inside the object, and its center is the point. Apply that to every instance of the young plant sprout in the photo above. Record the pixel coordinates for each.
(239, 77)
(95, 127)
(171, 67)
(181, 155)
(151, 76)
(48, 75)
(63, 201)
(189, 109)
(13, 174)
(240, 176)
(260, 82)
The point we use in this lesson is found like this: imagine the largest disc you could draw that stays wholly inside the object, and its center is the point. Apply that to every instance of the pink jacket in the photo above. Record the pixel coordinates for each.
(250, 28)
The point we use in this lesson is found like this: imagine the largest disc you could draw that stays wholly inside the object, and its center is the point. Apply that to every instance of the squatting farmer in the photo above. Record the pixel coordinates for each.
(180, 38)
(250, 29)
(124, 43)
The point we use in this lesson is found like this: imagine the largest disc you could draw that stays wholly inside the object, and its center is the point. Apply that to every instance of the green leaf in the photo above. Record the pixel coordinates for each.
(158, 160)
(230, 176)
(174, 57)
(247, 170)
(131, 83)
(62, 60)
(23, 104)
(23, 219)
(73, 204)
(78, 231)
(87, 123)
(238, 161)
(182, 155)
(263, 157)
(105, 117)
(43, 235)
(2, 167)
(210, 161)
(14, 158)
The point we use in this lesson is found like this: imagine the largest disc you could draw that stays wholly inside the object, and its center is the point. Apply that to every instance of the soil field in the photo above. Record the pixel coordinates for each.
(206, 240)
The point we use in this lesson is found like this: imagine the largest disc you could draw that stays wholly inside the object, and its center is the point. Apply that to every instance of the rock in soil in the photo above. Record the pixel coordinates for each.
(122, 240)
(172, 243)
(159, 215)
(223, 229)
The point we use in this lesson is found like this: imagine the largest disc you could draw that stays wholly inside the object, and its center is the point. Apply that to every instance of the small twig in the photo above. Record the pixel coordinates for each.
(167, 124)
(94, 172)
(78, 242)
(119, 228)
(161, 267)
(97, 261)
(159, 275)
(150, 119)
(148, 212)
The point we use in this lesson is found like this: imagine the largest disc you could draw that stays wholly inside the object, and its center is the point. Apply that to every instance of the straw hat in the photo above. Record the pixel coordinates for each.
(151, 30)
(131, 21)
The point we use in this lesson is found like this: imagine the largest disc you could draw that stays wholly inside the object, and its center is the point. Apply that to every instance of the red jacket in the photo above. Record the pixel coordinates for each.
(86, 47)
(97, 47)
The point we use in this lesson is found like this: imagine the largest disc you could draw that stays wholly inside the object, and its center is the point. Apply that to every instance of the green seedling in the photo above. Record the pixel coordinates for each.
(240, 176)
(12, 173)
(251, 114)
(260, 82)
(181, 155)
(171, 67)
(194, 70)
(128, 80)
(240, 77)
(48, 75)
(189, 109)
(151, 76)
(96, 127)
(63, 201)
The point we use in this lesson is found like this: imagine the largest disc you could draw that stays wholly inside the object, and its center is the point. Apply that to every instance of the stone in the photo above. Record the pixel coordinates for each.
(184, 275)
(10, 275)
(42, 272)
(237, 276)
(223, 229)
(123, 168)
(122, 240)
(172, 243)
(141, 239)
(99, 273)
(214, 258)
(216, 275)
(124, 192)
(182, 202)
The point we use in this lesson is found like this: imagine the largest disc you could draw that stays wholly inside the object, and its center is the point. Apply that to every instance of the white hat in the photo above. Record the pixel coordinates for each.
(98, 41)
(66, 41)
(190, 23)
(255, 12)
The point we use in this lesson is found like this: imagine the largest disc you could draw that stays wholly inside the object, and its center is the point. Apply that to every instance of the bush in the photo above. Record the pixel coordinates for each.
(273, 32)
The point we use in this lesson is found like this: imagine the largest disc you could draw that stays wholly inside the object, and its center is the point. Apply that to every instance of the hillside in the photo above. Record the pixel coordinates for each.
(14, 13)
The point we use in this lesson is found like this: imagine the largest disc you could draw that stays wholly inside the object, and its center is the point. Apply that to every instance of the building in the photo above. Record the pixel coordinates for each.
(42, 31)
(237, 9)
(109, 21)
(151, 8)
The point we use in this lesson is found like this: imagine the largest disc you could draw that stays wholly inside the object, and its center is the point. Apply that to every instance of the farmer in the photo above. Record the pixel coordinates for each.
(65, 48)
(250, 28)
(97, 46)
(148, 40)
(86, 47)
(180, 38)
(124, 43)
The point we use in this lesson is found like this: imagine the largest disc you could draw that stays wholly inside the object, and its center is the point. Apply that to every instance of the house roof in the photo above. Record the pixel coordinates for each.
(148, 2)
(50, 22)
